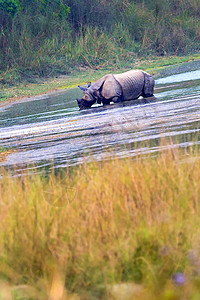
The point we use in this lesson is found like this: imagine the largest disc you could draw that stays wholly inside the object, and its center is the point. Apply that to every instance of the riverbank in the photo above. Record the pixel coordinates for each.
(11, 93)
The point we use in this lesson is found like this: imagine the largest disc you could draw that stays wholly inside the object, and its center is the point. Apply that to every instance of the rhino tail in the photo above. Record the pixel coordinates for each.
(149, 83)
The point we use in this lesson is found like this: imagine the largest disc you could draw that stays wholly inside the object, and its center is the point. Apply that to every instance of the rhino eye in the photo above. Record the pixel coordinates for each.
(87, 97)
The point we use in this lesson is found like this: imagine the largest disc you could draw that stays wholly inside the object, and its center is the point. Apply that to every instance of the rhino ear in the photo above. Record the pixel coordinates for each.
(82, 88)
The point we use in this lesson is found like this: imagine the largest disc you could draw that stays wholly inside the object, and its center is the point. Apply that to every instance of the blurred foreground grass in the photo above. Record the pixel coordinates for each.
(121, 229)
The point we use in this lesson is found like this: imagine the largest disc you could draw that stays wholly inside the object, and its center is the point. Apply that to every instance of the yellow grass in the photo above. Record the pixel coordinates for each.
(77, 235)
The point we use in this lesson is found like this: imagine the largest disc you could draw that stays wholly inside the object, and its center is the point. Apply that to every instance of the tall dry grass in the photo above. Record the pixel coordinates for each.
(102, 224)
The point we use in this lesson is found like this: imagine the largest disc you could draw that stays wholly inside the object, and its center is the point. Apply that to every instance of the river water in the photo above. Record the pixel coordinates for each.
(50, 131)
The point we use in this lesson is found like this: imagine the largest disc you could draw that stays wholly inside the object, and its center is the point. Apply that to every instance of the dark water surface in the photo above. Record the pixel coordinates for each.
(50, 130)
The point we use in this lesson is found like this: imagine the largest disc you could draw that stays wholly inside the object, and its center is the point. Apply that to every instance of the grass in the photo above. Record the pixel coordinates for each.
(4, 152)
(82, 76)
(81, 234)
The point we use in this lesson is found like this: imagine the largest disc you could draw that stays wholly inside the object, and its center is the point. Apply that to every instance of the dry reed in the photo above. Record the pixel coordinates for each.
(102, 224)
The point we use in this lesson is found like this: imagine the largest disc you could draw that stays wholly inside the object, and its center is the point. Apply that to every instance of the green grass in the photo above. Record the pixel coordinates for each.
(161, 62)
(3, 149)
(81, 76)
(100, 225)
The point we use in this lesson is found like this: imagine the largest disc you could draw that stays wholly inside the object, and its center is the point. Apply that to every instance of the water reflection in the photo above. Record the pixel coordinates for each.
(187, 76)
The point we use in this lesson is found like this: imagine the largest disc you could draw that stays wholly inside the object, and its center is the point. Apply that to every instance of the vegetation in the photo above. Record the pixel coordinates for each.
(82, 233)
(45, 38)
(102, 224)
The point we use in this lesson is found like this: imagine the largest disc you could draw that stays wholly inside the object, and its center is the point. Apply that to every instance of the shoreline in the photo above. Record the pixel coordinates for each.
(30, 98)
(60, 84)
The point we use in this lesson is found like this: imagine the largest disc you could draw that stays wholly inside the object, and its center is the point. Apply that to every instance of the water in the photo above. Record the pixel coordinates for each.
(50, 130)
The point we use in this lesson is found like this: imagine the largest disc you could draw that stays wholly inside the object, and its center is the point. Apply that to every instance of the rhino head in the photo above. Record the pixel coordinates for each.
(84, 104)
(87, 100)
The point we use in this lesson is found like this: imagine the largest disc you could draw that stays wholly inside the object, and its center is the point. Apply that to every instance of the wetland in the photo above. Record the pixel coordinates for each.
(49, 130)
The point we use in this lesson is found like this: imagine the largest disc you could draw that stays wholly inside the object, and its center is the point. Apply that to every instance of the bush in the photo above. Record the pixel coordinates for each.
(46, 37)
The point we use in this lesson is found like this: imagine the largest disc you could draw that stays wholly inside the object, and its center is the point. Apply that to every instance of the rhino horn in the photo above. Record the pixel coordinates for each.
(82, 88)
(89, 84)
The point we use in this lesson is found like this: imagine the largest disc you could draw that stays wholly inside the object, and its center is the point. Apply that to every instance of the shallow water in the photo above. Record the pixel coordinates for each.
(50, 130)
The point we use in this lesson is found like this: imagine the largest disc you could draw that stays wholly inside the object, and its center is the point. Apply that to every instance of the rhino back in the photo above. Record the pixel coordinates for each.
(132, 83)
(97, 84)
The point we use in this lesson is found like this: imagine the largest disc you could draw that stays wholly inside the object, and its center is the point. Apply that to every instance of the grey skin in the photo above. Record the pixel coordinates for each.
(117, 88)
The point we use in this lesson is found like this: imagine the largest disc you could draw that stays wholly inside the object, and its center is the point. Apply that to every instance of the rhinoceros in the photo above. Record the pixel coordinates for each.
(117, 88)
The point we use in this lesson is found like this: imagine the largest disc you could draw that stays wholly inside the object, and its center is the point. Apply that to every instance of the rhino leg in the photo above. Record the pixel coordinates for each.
(114, 99)
(148, 88)
(117, 99)
(105, 101)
